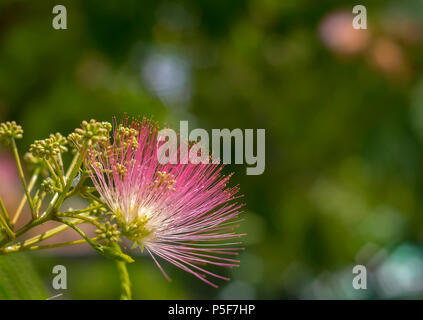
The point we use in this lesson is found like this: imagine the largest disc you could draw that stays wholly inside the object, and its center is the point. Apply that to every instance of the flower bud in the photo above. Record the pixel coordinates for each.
(10, 130)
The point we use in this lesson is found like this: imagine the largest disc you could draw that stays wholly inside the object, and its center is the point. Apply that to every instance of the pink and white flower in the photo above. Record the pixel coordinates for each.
(182, 213)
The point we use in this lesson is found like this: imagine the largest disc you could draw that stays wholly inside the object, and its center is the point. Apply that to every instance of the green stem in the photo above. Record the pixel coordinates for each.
(58, 197)
(59, 170)
(91, 196)
(61, 162)
(45, 235)
(22, 203)
(90, 189)
(21, 175)
(53, 174)
(4, 220)
(18, 248)
(72, 165)
(81, 233)
(53, 200)
(125, 282)
(69, 179)
(25, 228)
(77, 216)
(84, 210)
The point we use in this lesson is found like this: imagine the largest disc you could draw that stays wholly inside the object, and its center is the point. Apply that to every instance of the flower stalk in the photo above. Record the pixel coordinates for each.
(23, 201)
(125, 282)
(22, 248)
(5, 222)
(22, 176)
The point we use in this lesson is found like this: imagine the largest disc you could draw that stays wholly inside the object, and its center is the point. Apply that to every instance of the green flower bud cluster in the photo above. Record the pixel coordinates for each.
(34, 163)
(48, 185)
(127, 136)
(49, 147)
(127, 132)
(97, 212)
(108, 234)
(90, 132)
(10, 130)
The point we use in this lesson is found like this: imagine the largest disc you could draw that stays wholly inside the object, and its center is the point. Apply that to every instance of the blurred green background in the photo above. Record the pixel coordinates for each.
(342, 109)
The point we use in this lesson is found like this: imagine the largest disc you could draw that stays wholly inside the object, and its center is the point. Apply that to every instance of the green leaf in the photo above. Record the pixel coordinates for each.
(19, 280)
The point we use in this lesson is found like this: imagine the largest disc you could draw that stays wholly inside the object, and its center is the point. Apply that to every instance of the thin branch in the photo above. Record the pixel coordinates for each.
(84, 210)
(48, 234)
(76, 164)
(59, 169)
(76, 216)
(91, 196)
(72, 165)
(44, 236)
(79, 231)
(51, 170)
(15, 249)
(4, 220)
(22, 203)
(21, 175)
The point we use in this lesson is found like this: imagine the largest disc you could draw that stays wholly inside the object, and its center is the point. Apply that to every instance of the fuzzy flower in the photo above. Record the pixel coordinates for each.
(182, 213)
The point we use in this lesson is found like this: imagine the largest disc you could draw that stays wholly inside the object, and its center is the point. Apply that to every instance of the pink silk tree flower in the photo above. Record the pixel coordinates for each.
(182, 213)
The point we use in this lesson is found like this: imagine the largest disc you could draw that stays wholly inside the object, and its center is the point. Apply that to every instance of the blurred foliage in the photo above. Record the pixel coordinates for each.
(19, 280)
(343, 114)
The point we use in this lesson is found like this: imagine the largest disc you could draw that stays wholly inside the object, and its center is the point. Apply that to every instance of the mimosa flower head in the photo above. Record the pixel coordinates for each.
(183, 213)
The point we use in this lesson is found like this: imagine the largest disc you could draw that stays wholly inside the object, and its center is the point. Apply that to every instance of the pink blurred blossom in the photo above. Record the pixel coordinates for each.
(337, 33)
